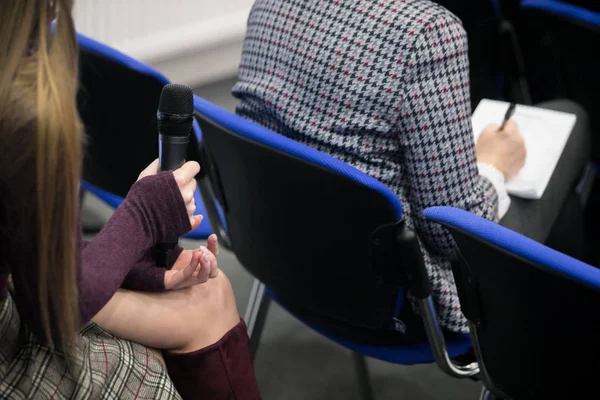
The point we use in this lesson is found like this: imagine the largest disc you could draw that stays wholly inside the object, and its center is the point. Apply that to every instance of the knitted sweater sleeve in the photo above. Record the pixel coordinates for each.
(435, 132)
(146, 275)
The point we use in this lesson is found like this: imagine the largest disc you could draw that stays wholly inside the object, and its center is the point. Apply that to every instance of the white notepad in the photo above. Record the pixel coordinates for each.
(545, 132)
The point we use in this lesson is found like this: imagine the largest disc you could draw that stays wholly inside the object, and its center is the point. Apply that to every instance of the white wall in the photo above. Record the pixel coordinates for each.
(191, 41)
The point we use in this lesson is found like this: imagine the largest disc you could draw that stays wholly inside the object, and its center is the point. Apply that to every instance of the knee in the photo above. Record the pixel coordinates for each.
(215, 299)
(212, 313)
(221, 298)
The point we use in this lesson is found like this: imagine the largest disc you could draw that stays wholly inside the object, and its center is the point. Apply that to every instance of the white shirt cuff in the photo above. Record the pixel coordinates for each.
(497, 179)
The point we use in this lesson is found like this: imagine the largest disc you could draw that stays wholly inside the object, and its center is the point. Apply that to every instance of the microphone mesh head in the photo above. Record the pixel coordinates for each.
(176, 99)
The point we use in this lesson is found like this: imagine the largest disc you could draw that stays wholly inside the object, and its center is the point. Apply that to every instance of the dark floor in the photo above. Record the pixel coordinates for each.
(294, 362)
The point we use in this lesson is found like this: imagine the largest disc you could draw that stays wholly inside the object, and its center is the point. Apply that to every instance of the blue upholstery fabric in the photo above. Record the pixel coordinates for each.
(415, 353)
(564, 9)
(90, 45)
(274, 140)
(545, 257)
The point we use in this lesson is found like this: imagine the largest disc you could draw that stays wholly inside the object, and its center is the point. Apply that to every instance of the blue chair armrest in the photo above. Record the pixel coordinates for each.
(559, 8)
(516, 243)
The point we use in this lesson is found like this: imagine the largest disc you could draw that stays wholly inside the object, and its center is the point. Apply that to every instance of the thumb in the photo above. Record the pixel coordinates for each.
(171, 279)
(511, 127)
(195, 221)
(151, 169)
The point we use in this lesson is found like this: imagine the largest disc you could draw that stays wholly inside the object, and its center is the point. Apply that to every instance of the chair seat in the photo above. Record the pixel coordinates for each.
(402, 353)
(114, 201)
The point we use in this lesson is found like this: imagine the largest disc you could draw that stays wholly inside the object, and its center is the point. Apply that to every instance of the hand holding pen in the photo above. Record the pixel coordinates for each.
(502, 147)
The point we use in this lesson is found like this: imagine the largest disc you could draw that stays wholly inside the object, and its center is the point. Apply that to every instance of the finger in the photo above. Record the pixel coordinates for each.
(184, 277)
(187, 196)
(172, 279)
(191, 207)
(194, 264)
(186, 172)
(190, 185)
(186, 272)
(195, 221)
(193, 185)
(174, 276)
(202, 276)
(151, 169)
(183, 260)
(205, 263)
(511, 127)
(188, 190)
(214, 270)
(213, 244)
(210, 258)
(207, 256)
(199, 264)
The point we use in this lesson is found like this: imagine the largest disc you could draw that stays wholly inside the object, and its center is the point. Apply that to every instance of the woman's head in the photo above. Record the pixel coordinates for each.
(38, 84)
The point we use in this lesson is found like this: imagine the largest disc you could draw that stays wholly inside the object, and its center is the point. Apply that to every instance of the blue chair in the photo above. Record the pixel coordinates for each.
(533, 311)
(350, 283)
(560, 41)
(118, 99)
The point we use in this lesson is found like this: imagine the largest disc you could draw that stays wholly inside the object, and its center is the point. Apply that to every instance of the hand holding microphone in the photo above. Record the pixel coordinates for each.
(192, 267)
(184, 177)
(175, 117)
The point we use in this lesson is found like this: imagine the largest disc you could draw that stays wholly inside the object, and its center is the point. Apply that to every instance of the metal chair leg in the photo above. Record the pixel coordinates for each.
(256, 314)
(486, 394)
(362, 375)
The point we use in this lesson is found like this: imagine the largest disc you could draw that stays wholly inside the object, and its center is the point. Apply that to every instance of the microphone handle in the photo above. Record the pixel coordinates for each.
(172, 153)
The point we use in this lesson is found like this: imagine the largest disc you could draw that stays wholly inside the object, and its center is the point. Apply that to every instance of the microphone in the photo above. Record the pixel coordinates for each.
(175, 116)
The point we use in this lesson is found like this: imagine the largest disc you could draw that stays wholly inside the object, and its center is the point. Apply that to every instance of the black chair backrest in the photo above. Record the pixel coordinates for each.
(118, 108)
(537, 331)
(491, 56)
(324, 244)
(560, 53)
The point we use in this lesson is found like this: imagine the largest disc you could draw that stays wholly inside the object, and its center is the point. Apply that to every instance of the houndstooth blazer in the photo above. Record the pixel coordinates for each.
(382, 85)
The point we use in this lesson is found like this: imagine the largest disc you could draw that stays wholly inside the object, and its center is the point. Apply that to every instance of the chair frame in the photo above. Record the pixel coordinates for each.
(490, 391)
(522, 250)
(259, 303)
(256, 315)
(486, 394)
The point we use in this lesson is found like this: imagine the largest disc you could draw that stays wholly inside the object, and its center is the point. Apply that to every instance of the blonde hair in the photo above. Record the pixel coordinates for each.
(38, 88)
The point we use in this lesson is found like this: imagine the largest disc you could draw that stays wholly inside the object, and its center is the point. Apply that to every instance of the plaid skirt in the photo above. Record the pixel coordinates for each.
(105, 367)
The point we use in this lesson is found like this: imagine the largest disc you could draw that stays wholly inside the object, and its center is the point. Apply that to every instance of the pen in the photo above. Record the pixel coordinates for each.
(509, 113)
